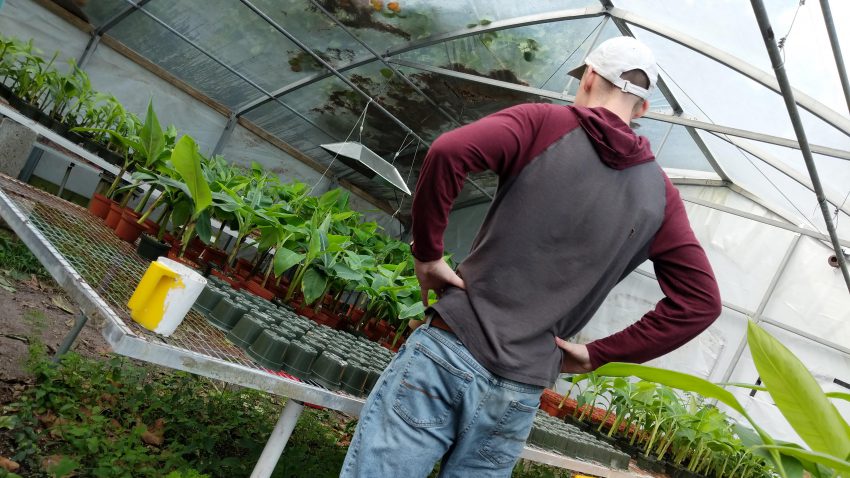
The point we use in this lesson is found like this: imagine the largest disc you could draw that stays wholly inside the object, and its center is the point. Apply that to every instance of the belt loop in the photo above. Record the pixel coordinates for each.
(428, 319)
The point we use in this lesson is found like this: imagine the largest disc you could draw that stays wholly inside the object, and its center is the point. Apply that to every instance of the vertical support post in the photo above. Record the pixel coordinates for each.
(91, 46)
(29, 167)
(277, 441)
(65, 179)
(794, 114)
(783, 264)
(225, 135)
(836, 50)
(69, 339)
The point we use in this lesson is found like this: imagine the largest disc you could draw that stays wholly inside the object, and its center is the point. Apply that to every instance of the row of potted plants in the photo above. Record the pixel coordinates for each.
(310, 251)
(666, 431)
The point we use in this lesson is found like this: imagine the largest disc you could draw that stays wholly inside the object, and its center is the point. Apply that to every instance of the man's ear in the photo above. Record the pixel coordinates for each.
(588, 79)
(641, 110)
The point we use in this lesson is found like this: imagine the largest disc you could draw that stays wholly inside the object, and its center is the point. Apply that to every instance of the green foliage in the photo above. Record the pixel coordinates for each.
(96, 416)
(15, 256)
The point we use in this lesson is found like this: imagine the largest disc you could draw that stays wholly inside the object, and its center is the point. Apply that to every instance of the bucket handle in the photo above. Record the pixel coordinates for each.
(155, 278)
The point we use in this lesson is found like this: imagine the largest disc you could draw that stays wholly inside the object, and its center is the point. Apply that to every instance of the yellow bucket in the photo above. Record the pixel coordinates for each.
(164, 295)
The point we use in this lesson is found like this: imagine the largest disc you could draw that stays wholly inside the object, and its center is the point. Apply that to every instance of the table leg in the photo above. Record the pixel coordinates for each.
(69, 339)
(277, 441)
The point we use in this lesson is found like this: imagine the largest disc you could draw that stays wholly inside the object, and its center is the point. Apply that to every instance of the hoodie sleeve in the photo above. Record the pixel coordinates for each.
(504, 142)
(691, 302)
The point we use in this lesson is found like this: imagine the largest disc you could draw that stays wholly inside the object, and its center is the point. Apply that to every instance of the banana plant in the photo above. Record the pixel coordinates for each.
(187, 161)
(794, 391)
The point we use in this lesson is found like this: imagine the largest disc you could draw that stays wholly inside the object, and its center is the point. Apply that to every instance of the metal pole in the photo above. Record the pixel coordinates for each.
(65, 179)
(836, 50)
(277, 441)
(345, 79)
(228, 67)
(225, 134)
(788, 95)
(783, 264)
(69, 339)
(32, 162)
(91, 46)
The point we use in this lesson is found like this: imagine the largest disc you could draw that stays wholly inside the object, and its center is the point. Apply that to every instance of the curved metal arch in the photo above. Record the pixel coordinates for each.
(560, 15)
(767, 80)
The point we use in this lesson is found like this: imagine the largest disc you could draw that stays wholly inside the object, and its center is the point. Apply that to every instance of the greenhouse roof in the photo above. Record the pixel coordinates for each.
(314, 72)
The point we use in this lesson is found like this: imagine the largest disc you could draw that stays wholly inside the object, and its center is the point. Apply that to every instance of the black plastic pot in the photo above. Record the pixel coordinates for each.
(374, 375)
(298, 359)
(650, 464)
(208, 299)
(5, 91)
(246, 331)
(268, 349)
(354, 378)
(327, 370)
(151, 249)
(226, 314)
(680, 472)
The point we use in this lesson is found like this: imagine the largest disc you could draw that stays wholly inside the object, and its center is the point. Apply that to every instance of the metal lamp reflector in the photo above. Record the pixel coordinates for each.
(363, 160)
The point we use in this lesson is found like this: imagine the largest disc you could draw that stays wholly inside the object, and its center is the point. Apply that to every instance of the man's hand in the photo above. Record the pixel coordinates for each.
(436, 276)
(576, 357)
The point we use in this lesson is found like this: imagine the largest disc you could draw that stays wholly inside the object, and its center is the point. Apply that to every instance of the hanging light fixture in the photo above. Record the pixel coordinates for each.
(366, 162)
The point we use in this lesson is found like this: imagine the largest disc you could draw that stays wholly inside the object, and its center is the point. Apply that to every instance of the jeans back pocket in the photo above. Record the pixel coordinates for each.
(430, 389)
(505, 442)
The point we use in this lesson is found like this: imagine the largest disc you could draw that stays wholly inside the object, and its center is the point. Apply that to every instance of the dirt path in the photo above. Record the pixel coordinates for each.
(35, 309)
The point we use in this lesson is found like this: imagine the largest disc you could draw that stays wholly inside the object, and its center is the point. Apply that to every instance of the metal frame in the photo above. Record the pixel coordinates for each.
(345, 80)
(232, 121)
(789, 171)
(808, 103)
(836, 50)
(757, 315)
(98, 32)
(666, 118)
(560, 15)
(788, 94)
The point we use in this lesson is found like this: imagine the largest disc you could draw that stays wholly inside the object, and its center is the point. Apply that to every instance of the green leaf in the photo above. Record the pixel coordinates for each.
(327, 200)
(313, 285)
(151, 137)
(412, 310)
(759, 388)
(830, 461)
(284, 259)
(797, 395)
(386, 73)
(181, 213)
(839, 395)
(484, 22)
(750, 439)
(681, 381)
(187, 162)
(203, 228)
(344, 272)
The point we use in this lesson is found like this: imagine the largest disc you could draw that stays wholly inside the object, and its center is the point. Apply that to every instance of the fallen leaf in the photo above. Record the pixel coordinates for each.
(47, 419)
(59, 466)
(6, 285)
(62, 303)
(9, 465)
(156, 434)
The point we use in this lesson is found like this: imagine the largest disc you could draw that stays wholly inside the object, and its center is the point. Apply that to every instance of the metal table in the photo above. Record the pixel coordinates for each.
(100, 272)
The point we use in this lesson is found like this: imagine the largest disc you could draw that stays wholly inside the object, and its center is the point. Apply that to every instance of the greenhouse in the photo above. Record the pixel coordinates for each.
(213, 256)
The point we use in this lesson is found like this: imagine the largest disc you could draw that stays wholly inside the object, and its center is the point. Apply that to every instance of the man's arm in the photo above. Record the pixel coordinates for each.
(692, 301)
(504, 142)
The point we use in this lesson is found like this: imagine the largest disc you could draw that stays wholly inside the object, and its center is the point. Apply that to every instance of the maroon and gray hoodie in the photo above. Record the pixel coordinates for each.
(580, 204)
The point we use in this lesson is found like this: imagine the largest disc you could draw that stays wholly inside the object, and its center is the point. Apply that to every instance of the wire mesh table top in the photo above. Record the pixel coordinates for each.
(111, 269)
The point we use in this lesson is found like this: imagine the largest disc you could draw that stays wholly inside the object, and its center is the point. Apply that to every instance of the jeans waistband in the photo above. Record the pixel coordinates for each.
(452, 342)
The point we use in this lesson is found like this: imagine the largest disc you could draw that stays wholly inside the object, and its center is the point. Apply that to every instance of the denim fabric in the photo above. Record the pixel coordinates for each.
(435, 402)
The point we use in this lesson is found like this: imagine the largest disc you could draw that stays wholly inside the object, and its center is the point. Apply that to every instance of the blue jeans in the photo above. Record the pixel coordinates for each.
(435, 402)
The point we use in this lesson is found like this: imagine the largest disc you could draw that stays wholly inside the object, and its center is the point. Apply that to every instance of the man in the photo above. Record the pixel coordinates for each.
(581, 203)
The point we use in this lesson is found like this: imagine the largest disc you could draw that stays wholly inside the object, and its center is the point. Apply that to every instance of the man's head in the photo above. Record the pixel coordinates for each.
(619, 74)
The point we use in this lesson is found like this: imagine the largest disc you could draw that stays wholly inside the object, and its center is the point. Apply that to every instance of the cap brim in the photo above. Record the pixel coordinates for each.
(578, 71)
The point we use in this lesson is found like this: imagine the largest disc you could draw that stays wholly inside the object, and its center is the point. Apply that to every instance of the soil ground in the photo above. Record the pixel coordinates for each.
(31, 312)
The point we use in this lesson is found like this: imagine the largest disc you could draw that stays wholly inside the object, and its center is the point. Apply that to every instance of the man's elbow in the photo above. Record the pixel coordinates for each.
(711, 305)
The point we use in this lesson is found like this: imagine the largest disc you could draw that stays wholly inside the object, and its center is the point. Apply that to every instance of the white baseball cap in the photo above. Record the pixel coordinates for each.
(618, 55)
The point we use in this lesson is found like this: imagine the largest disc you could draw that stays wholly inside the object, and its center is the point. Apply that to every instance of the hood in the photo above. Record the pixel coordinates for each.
(614, 141)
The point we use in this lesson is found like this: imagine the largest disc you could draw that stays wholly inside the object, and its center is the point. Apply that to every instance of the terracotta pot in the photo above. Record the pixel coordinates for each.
(114, 215)
(325, 318)
(183, 260)
(128, 228)
(549, 402)
(382, 328)
(243, 268)
(256, 289)
(99, 205)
